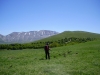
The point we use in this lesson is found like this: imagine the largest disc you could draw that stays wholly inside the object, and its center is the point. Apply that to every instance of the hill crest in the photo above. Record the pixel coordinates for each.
(68, 34)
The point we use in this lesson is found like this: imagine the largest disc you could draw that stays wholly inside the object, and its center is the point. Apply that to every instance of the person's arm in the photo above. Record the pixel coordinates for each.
(48, 47)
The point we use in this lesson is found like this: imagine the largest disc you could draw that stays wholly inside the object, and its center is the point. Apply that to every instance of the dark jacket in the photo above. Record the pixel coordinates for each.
(46, 47)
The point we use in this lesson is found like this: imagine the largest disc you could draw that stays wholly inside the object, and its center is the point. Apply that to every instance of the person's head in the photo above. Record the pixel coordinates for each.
(47, 43)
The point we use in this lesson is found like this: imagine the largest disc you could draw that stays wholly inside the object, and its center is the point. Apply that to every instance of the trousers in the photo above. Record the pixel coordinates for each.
(47, 54)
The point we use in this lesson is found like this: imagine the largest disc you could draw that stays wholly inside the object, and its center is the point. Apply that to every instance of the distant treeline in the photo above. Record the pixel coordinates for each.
(37, 45)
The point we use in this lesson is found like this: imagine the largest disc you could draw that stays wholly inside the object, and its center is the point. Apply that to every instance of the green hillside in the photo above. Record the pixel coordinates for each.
(62, 39)
(78, 59)
(68, 34)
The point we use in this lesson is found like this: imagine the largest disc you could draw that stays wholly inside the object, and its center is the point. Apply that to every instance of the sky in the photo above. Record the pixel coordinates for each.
(55, 15)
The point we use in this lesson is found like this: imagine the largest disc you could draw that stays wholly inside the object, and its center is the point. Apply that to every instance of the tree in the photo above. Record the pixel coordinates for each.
(54, 44)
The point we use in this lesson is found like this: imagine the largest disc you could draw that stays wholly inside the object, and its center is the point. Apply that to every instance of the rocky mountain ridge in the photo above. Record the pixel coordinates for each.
(22, 37)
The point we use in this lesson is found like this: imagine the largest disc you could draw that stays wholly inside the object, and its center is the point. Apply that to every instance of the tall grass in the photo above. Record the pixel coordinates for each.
(79, 59)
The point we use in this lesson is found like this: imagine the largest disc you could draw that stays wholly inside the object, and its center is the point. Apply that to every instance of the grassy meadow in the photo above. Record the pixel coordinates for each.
(78, 59)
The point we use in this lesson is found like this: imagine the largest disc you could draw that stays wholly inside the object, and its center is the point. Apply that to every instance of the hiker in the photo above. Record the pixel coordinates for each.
(47, 54)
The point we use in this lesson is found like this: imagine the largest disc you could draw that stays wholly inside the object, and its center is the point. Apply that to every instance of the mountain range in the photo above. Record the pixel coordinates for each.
(23, 37)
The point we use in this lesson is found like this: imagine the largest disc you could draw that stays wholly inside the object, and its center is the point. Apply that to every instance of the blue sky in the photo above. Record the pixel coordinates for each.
(56, 15)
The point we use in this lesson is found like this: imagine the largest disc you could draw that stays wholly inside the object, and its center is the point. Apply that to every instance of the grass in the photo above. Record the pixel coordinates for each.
(79, 59)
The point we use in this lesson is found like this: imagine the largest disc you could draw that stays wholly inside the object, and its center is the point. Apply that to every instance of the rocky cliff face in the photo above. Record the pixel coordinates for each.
(22, 37)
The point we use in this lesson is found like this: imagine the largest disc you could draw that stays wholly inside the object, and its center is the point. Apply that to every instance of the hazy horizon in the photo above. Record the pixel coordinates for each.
(50, 30)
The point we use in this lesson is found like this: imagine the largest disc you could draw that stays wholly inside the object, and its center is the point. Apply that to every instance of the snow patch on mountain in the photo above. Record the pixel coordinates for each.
(22, 37)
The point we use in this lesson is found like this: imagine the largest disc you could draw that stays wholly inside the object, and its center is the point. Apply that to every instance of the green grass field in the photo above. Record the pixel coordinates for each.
(79, 59)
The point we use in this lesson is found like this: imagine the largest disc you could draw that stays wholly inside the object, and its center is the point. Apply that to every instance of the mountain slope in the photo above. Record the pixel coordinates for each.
(67, 34)
(1, 41)
(22, 37)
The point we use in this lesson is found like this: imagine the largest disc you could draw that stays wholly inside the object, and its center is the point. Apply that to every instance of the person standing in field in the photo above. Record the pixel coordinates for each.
(47, 54)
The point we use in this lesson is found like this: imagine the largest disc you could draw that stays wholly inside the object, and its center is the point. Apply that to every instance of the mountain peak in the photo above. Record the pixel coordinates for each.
(30, 36)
